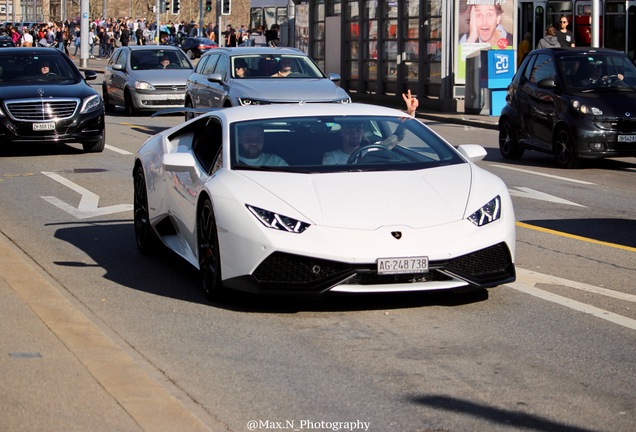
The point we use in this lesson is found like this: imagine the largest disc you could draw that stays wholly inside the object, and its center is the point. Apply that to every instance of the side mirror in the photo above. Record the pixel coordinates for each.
(472, 152)
(217, 78)
(547, 83)
(90, 75)
(334, 77)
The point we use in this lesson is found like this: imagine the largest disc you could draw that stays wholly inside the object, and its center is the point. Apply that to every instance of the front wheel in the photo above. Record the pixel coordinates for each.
(129, 107)
(188, 115)
(145, 237)
(209, 254)
(564, 151)
(97, 146)
(508, 143)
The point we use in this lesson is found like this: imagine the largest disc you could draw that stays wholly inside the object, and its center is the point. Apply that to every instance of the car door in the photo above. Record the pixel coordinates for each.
(204, 141)
(217, 91)
(109, 73)
(542, 100)
(535, 104)
(119, 77)
(202, 94)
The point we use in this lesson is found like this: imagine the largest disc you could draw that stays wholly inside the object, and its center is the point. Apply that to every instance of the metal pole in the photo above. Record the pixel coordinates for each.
(84, 9)
(595, 23)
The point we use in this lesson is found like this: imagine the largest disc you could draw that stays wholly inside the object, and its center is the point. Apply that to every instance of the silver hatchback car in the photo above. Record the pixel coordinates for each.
(146, 78)
(227, 77)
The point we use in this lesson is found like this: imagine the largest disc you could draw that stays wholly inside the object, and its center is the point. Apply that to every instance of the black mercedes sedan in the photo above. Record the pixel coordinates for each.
(577, 103)
(44, 98)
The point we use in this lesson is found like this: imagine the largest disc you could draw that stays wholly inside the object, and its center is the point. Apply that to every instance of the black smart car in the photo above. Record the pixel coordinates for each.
(45, 99)
(577, 103)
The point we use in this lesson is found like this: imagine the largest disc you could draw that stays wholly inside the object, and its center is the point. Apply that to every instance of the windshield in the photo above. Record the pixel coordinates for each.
(21, 68)
(158, 59)
(274, 66)
(592, 71)
(337, 144)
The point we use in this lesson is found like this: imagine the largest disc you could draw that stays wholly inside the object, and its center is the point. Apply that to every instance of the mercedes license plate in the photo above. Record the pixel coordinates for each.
(417, 264)
(627, 138)
(44, 126)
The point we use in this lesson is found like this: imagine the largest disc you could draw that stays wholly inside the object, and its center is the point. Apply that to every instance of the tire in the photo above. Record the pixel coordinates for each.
(108, 106)
(563, 146)
(188, 115)
(129, 108)
(144, 235)
(95, 147)
(508, 142)
(209, 254)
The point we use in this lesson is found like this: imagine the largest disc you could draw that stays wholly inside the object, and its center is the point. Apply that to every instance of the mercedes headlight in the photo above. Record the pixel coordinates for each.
(277, 221)
(91, 103)
(488, 213)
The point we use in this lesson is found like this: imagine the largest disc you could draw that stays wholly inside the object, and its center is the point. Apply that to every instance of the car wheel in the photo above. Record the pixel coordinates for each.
(564, 151)
(145, 237)
(188, 115)
(108, 106)
(95, 147)
(190, 54)
(209, 254)
(508, 143)
(129, 108)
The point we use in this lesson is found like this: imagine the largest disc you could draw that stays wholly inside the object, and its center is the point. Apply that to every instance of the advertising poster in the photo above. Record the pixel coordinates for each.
(482, 24)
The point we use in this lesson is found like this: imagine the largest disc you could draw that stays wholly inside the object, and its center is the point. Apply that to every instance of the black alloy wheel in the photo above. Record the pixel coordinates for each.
(564, 151)
(508, 143)
(209, 254)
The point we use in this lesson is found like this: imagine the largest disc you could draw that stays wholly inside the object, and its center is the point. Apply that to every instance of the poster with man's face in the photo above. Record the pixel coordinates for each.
(482, 24)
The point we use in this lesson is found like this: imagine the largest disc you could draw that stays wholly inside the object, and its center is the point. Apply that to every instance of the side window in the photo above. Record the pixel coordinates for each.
(222, 67)
(543, 68)
(528, 71)
(208, 143)
(123, 57)
(114, 58)
(209, 66)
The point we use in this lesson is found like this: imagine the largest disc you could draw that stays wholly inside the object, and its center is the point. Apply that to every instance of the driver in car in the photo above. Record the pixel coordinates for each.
(45, 68)
(352, 134)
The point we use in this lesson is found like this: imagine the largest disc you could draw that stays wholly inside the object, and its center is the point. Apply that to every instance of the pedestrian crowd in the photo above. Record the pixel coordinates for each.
(108, 34)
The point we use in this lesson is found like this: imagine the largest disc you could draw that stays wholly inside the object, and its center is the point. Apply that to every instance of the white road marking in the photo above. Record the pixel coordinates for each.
(542, 174)
(526, 281)
(525, 192)
(87, 207)
(118, 150)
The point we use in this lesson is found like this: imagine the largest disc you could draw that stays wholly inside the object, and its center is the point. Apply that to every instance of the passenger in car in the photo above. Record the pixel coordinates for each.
(251, 141)
(352, 134)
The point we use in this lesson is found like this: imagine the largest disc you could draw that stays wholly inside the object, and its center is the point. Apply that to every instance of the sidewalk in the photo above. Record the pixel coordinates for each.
(61, 372)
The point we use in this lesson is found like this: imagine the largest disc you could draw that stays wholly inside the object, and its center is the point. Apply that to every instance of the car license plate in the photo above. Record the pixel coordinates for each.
(627, 138)
(417, 264)
(44, 126)
(175, 96)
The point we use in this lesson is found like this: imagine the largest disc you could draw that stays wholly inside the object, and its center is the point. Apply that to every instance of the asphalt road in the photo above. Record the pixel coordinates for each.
(551, 352)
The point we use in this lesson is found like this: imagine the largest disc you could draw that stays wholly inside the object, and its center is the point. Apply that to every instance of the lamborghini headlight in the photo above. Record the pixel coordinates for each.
(277, 221)
(488, 213)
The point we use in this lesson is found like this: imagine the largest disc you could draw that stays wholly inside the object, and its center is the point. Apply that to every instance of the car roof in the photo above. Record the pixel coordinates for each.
(34, 50)
(578, 51)
(273, 111)
(152, 47)
(257, 50)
